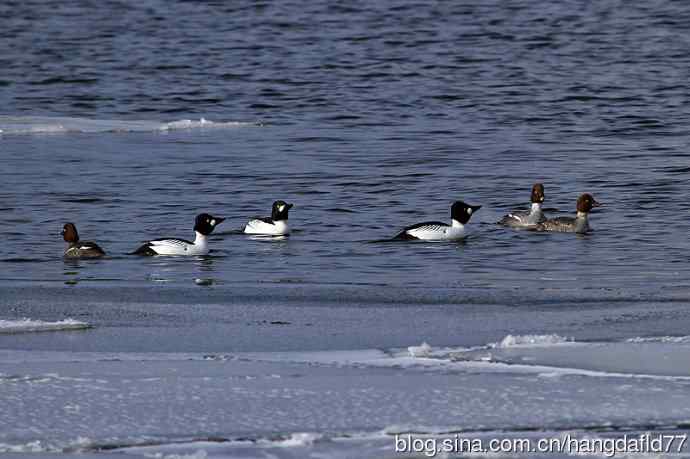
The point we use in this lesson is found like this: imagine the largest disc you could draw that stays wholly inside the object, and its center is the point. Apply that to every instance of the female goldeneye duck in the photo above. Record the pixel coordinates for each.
(460, 214)
(577, 224)
(203, 226)
(77, 248)
(275, 225)
(527, 219)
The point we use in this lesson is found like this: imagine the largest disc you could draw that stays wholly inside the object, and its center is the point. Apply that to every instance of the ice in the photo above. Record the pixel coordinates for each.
(298, 439)
(336, 403)
(531, 340)
(424, 350)
(22, 125)
(660, 339)
(201, 123)
(29, 325)
(302, 404)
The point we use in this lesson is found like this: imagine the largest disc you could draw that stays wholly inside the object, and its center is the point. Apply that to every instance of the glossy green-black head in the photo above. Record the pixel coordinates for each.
(205, 223)
(280, 210)
(462, 212)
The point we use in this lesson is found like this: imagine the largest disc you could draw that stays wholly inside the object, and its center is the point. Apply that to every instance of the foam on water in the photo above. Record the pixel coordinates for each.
(29, 325)
(19, 125)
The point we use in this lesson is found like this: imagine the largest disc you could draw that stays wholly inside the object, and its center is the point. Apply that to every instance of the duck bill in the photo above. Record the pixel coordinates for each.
(288, 206)
(596, 204)
(218, 220)
(475, 208)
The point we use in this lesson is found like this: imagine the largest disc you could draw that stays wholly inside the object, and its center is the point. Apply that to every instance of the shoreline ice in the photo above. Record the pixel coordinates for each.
(27, 325)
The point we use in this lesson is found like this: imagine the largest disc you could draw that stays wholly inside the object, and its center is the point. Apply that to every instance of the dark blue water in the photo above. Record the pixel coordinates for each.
(368, 117)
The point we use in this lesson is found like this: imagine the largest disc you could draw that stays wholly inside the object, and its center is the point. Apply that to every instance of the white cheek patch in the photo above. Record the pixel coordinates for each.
(469, 211)
(213, 222)
(281, 208)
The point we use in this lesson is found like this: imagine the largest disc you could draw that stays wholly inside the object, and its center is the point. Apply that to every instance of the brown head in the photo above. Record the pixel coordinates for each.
(586, 202)
(538, 193)
(69, 233)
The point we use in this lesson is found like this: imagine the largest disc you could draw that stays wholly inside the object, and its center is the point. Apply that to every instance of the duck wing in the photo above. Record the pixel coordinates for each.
(408, 233)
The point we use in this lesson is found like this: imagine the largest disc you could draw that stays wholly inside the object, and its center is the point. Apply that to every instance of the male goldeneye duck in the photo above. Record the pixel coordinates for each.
(203, 226)
(77, 248)
(275, 225)
(577, 224)
(460, 214)
(527, 219)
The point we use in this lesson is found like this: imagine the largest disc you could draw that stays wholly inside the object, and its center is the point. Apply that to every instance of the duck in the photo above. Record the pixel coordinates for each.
(76, 248)
(203, 226)
(460, 214)
(275, 225)
(527, 219)
(577, 224)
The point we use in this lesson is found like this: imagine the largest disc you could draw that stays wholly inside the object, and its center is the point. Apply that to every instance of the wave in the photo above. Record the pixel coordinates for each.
(23, 125)
(30, 325)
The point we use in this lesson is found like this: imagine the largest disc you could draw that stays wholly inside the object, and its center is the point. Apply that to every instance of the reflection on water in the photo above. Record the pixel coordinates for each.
(267, 238)
(205, 263)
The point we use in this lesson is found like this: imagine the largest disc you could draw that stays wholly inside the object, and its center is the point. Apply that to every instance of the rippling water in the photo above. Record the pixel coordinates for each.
(130, 118)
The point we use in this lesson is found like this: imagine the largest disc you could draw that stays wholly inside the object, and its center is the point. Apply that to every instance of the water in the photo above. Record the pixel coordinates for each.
(130, 119)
